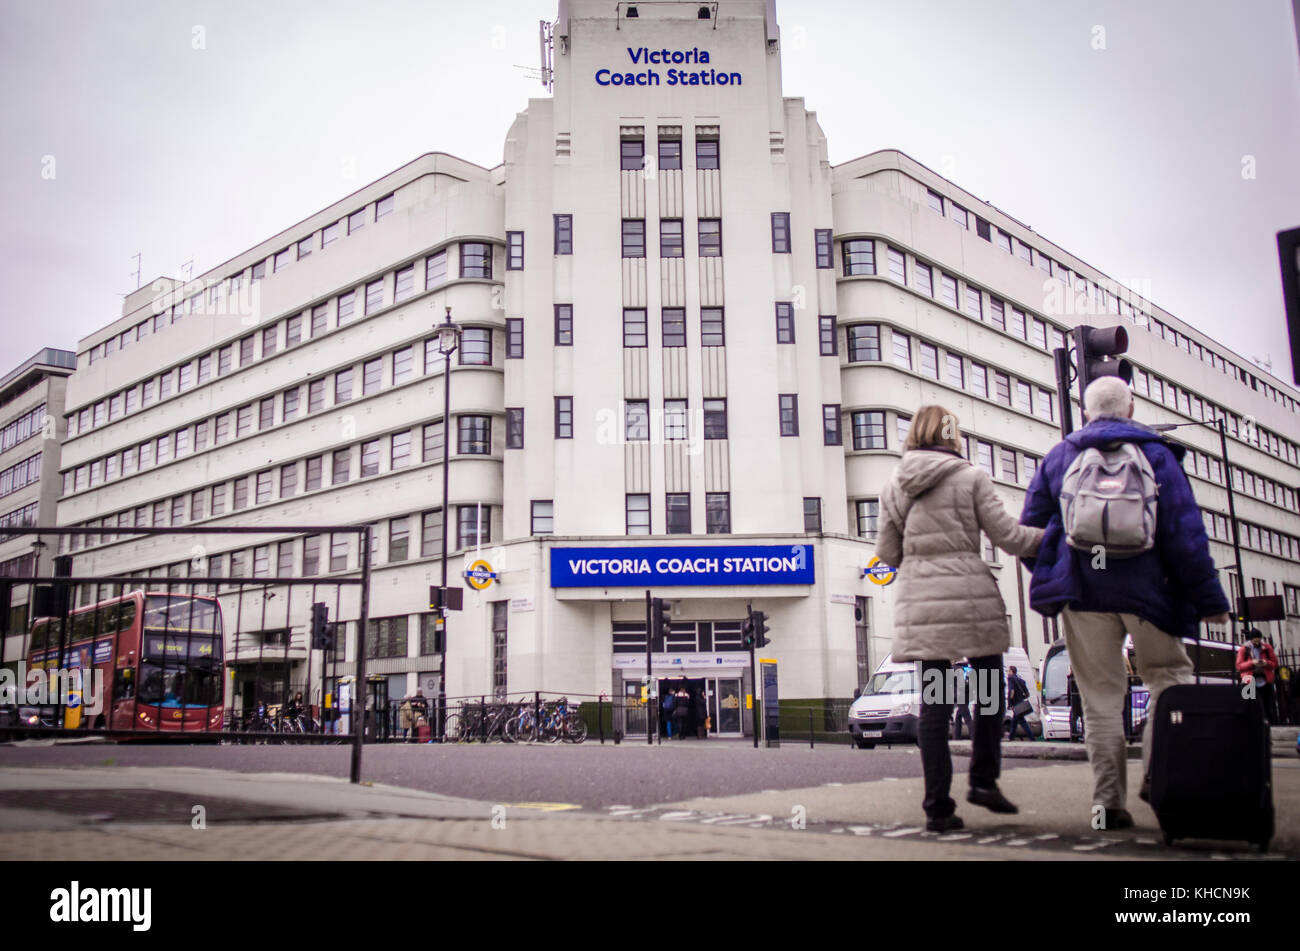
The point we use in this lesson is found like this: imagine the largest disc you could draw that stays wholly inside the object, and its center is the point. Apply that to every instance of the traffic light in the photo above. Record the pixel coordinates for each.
(322, 631)
(1098, 353)
(761, 629)
(661, 625)
(747, 629)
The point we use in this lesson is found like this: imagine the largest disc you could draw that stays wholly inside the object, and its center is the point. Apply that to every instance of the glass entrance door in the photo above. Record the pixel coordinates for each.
(724, 707)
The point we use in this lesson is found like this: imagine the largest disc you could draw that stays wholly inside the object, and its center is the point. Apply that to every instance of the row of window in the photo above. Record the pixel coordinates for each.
(864, 345)
(20, 475)
(636, 421)
(207, 299)
(391, 369)
(22, 427)
(475, 262)
(677, 514)
(708, 152)
(1255, 537)
(373, 457)
(1179, 399)
(1097, 299)
(24, 517)
(671, 240)
(636, 327)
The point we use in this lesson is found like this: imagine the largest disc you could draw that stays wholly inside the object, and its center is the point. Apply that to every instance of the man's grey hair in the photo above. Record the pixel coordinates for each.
(1108, 397)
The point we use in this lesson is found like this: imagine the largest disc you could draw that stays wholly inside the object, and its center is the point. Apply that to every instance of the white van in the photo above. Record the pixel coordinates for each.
(889, 708)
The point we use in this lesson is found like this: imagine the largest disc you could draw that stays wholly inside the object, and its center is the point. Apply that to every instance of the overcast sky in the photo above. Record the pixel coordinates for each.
(1170, 156)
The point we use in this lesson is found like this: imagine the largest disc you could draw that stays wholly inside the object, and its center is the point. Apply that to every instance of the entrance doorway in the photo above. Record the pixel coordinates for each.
(718, 699)
(724, 707)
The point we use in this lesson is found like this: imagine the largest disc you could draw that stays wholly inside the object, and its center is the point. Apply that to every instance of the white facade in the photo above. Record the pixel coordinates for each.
(607, 288)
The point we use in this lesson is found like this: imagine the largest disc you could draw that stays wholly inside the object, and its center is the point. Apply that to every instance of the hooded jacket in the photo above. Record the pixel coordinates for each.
(1172, 586)
(931, 514)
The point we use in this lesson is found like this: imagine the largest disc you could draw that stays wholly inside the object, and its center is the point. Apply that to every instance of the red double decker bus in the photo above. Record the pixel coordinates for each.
(160, 656)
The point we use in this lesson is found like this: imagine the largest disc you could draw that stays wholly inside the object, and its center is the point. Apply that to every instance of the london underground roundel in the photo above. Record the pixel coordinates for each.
(880, 573)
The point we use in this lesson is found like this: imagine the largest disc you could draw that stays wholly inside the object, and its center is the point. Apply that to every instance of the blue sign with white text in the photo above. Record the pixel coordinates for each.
(681, 566)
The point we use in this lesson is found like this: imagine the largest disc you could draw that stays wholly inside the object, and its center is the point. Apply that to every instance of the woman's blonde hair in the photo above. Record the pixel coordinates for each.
(933, 426)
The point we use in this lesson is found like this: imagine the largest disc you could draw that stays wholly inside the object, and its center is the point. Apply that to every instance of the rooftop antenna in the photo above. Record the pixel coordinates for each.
(546, 39)
(136, 256)
(188, 268)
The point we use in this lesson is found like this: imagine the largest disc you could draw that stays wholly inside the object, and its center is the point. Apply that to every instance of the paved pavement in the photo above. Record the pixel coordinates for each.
(149, 812)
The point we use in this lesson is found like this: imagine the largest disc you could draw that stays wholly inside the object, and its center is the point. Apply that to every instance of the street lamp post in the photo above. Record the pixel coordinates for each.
(1243, 605)
(448, 341)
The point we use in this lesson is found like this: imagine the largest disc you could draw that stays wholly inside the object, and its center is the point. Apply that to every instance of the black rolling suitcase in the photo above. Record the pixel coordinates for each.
(1211, 765)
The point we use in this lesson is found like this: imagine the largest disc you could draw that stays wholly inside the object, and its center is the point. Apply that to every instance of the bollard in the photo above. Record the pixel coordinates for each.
(600, 717)
(811, 742)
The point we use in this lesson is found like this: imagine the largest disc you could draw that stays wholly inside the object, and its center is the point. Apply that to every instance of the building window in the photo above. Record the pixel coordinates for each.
(404, 284)
(281, 260)
(431, 534)
(934, 200)
(266, 413)
(476, 347)
(435, 270)
(474, 526)
(929, 355)
(715, 419)
(384, 206)
(239, 498)
(707, 154)
(543, 519)
(812, 515)
(374, 296)
(514, 338)
(677, 513)
(292, 335)
(399, 450)
(676, 425)
(315, 395)
(631, 155)
(672, 244)
(789, 414)
(958, 214)
(1017, 323)
(399, 539)
(476, 259)
(515, 428)
(633, 238)
(781, 232)
(868, 430)
(897, 266)
(243, 422)
(638, 515)
(1024, 396)
(923, 279)
(674, 327)
(346, 307)
(902, 350)
(859, 257)
(564, 417)
(263, 490)
(564, 325)
(474, 435)
(717, 513)
(636, 419)
(318, 314)
(514, 250)
(824, 245)
(864, 343)
(868, 511)
(984, 456)
(784, 323)
(338, 553)
(712, 327)
(979, 380)
(1002, 388)
(288, 480)
(403, 365)
(634, 328)
(563, 234)
(343, 386)
(828, 337)
(370, 458)
(1008, 462)
(341, 467)
(831, 433)
(670, 155)
(710, 237)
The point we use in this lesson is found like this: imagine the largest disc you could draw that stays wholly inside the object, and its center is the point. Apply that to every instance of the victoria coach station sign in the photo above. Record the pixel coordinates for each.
(645, 67)
(681, 566)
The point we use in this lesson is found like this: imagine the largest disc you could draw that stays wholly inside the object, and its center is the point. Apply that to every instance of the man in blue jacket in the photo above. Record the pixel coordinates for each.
(1158, 597)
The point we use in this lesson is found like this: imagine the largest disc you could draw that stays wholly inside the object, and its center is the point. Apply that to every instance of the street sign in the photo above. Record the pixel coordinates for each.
(480, 575)
(877, 572)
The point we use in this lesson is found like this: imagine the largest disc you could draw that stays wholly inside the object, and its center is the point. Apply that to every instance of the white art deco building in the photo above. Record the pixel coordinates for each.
(691, 350)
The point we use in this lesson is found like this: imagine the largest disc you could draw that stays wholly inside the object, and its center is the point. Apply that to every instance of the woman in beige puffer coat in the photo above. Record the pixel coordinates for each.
(947, 604)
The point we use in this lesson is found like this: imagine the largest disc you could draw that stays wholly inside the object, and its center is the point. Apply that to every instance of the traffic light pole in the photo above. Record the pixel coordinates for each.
(753, 676)
(1062, 358)
(1242, 603)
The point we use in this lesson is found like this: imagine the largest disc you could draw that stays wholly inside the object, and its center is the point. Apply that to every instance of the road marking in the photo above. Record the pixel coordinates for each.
(544, 806)
(901, 832)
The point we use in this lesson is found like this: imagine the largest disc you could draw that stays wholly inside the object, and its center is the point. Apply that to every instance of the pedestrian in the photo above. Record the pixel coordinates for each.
(933, 513)
(404, 718)
(1018, 704)
(1156, 588)
(666, 704)
(1076, 706)
(961, 705)
(700, 707)
(681, 710)
(1257, 664)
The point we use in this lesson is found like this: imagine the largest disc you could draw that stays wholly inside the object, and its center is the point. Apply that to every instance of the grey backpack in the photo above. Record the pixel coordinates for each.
(1108, 499)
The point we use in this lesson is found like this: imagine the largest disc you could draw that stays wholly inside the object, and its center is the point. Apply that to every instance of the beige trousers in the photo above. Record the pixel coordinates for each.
(1095, 642)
